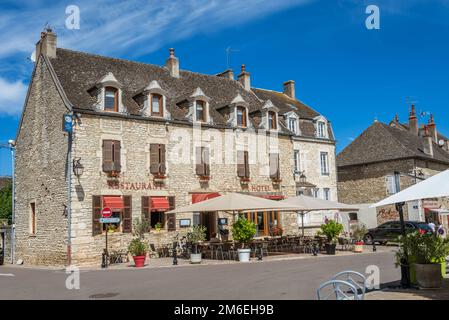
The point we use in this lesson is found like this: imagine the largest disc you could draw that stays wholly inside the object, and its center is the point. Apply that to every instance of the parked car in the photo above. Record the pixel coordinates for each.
(389, 231)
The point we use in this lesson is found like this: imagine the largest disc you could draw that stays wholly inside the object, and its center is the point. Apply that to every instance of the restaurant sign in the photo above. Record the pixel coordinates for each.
(119, 185)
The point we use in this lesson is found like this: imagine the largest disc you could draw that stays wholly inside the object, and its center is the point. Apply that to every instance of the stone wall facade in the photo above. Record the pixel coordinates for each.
(41, 158)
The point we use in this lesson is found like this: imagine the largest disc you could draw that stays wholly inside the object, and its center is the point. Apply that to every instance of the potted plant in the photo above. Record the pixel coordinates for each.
(204, 178)
(197, 235)
(138, 249)
(158, 227)
(428, 252)
(112, 228)
(358, 233)
(159, 178)
(331, 229)
(113, 174)
(243, 231)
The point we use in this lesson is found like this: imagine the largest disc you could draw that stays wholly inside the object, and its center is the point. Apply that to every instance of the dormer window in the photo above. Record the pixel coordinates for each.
(200, 110)
(157, 105)
(272, 120)
(241, 117)
(111, 99)
(321, 129)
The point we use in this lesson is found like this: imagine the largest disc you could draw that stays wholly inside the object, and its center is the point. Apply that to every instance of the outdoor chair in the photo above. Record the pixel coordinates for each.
(344, 243)
(357, 279)
(337, 290)
(152, 253)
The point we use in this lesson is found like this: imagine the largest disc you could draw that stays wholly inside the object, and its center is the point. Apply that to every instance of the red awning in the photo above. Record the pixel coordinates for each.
(198, 197)
(272, 196)
(159, 204)
(113, 202)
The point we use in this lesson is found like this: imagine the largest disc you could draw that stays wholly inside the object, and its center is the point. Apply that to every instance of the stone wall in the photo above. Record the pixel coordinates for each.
(40, 174)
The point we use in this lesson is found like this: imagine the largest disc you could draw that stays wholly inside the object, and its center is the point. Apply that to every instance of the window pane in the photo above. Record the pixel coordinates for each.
(240, 117)
(109, 98)
(156, 104)
(200, 110)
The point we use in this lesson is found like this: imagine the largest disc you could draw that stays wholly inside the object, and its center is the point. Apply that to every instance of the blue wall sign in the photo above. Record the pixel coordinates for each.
(68, 123)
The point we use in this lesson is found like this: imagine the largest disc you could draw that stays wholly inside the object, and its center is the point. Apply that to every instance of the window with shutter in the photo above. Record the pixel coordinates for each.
(206, 161)
(202, 161)
(146, 210)
(157, 159)
(274, 165)
(127, 215)
(96, 215)
(116, 154)
(242, 164)
(111, 156)
(171, 217)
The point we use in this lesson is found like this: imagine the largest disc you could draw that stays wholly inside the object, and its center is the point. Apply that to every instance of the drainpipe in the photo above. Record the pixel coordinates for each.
(69, 200)
(12, 145)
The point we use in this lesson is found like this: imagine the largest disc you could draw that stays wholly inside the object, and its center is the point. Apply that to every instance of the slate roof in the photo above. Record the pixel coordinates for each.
(381, 142)
(79, 72)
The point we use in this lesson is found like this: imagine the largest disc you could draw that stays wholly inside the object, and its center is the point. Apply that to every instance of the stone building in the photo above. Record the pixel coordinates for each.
(366, 168)
(149, 138)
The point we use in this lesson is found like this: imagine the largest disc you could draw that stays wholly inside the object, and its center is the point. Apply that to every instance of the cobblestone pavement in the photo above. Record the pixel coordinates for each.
(412, 294)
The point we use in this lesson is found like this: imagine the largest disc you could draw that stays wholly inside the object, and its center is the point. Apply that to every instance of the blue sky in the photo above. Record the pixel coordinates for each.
(350, 74)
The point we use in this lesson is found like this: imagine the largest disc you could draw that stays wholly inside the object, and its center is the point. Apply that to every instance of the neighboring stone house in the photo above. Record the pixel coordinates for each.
(366, 168)
(147, 139)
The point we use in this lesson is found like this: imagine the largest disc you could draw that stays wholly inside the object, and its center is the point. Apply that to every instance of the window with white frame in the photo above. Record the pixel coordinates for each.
(272, 120)
(321, 129)
(324, 161)
(200, 111)
(390, 182)
(293, 125)
(316, 192)
(327, 193)
(296, 161)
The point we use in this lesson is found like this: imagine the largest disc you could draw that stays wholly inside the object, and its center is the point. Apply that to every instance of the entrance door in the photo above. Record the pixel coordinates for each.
(209, 221)
(261, 224)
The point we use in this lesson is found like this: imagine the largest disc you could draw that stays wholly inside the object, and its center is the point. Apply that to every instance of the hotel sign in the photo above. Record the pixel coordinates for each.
(260, 188)
(136, 186)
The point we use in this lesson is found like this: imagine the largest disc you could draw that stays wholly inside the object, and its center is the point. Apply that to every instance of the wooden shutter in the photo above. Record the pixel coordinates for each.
(206, 154)
(274, 165)
(127, 225)
(146, 210)
(171, 217)
(199, 161)
(96, 215)
(117, 160)
(246, 158)
(154, 158)
(108, 164)
(163, 168)
(240, 163)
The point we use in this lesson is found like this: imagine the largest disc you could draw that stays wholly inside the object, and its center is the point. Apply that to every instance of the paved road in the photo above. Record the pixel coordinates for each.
(288, 279)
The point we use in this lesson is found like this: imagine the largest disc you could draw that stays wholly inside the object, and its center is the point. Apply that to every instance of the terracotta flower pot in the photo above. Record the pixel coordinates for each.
(139, 261)
(358, 246)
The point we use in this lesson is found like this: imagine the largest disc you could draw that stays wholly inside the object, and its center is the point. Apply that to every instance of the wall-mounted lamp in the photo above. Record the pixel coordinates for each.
(78, 168)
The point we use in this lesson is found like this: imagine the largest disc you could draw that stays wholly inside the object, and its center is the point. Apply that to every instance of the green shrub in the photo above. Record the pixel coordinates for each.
(137, 247)
(358, 232)
(243, 231)
(195, 236)
(426, 248)
(331, 229)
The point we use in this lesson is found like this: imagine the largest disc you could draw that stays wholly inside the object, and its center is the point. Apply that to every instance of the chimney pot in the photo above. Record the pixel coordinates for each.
(413, 122)
(227, 74)
(244, 78)
(47, 44)
(172, 64)
(427, 143)
(289, 88)
(432, 129)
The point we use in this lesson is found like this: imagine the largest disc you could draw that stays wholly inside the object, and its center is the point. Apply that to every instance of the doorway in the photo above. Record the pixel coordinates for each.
(209, 221)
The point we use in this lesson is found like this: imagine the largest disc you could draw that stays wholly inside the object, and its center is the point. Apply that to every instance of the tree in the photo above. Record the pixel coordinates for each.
(6, 202)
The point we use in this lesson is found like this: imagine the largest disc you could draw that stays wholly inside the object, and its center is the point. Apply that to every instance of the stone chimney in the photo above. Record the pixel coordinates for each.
(47, 44)
(428, 142)
(227, 74)
(432, 129)
(289, 88)
(244, 78)
(172, 64)
(413, 121)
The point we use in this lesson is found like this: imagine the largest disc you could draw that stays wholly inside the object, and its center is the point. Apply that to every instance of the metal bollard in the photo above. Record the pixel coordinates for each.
(374, 246)
(104, 259)
(175, 254)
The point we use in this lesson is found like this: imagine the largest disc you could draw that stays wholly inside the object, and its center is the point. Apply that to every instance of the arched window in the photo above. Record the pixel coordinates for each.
(157, 105)
(241, 116)
(272, 121)
(110, 99)
(200, 111)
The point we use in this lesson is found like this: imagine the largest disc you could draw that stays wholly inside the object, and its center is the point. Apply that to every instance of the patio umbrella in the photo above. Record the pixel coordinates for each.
(235, 202)
(436, 186)
(304, 204)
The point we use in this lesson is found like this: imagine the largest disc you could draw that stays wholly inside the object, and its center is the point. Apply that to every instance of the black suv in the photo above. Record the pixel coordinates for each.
(389, 231)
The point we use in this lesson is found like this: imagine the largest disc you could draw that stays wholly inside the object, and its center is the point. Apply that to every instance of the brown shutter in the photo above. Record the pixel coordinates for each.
(146, 211)
(244, 117)
(107, 156)
(154, 158)
(246, 158)
(127, 225)
(206, 154)
(117, 160)
(199, 161)
(171, 217)
(163, 168)
(240, 163)
(96, 215)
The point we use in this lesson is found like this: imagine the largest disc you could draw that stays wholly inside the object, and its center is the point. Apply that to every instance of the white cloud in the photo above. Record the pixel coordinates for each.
(12, 95)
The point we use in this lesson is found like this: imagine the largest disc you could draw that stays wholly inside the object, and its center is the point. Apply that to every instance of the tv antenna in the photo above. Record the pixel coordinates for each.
(229, 52)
